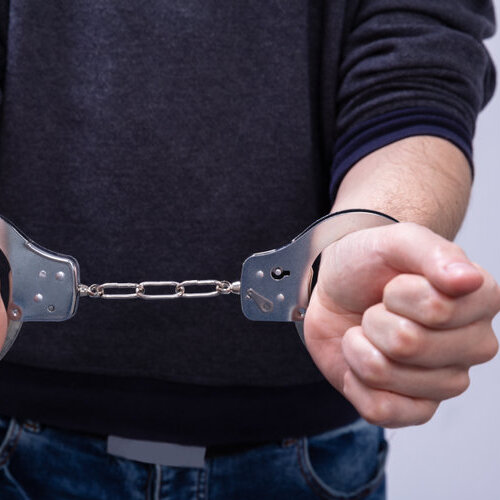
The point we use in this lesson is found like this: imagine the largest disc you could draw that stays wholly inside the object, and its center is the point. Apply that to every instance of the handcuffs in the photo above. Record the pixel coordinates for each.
(40, 285)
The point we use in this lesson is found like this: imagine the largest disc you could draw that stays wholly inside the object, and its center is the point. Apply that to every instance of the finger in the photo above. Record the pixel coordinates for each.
(414, 297)
(405, 341)
(323, 331)
(379, 372)
(411, 248)
(385, 408)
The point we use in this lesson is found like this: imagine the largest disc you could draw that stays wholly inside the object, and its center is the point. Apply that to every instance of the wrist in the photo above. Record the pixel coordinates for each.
(419, 179)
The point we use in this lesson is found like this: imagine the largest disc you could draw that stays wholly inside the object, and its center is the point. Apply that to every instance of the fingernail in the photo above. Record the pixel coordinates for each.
(460, 268)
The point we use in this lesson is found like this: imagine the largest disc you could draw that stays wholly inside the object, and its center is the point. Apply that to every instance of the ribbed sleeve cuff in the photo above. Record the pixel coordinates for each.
(387, 128)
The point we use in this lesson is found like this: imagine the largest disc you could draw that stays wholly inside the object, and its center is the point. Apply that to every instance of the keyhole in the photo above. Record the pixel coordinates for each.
(279, 273)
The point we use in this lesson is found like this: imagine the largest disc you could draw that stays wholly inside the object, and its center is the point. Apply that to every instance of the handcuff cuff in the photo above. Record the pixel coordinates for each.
(40, 285)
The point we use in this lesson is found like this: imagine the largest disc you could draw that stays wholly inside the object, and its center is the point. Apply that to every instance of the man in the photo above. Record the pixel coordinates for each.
(170, 140)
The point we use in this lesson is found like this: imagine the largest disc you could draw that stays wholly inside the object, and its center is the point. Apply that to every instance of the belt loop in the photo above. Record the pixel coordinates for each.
(10, 441)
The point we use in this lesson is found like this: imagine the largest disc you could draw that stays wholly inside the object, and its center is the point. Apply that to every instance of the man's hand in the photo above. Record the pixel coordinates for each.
(397, 318)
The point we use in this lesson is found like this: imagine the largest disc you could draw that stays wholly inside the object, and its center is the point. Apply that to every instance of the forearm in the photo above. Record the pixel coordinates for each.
(411, 68)
(420, 179)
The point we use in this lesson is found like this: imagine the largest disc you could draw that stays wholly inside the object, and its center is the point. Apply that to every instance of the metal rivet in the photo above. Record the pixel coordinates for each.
(15, 313)
(42, 274)
(59, 276)
(280, 297)
(260, 274)
(38, 297)
(51, 308)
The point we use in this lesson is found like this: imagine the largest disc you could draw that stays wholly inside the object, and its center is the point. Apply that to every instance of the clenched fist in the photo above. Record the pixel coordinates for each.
(397, 318)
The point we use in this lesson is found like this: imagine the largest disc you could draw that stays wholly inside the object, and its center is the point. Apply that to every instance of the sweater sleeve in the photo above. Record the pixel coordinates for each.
(411, 67)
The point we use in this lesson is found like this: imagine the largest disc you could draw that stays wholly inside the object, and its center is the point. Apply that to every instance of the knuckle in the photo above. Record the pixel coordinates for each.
(402, 290)
(437, 311)
(393, 286)
(399, 283)
(492, 292)
(410, 230)
(426, 413)
(445, 248)
(463, 382)
(369, 314)
(378, 411)
(405, 341)
(488, 349)
(455, 247)
(374, 369)
(496, 297)
(372, 316)
(493, 347)
(348, 338)
(459, 383)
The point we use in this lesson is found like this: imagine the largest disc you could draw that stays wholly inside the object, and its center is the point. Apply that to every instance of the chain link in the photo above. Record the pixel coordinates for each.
(139, 290)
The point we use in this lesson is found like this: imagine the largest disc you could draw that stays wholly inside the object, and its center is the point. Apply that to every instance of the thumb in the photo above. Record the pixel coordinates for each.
(410, 248)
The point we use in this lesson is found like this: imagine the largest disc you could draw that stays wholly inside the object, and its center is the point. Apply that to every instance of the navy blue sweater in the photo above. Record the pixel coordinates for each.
(169, 140)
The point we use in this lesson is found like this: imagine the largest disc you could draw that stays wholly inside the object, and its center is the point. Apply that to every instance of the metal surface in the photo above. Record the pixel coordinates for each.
(179, 290)
(43, 284)
(275, 285)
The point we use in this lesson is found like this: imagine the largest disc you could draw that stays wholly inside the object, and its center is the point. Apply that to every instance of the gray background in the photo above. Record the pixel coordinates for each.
(456, 456)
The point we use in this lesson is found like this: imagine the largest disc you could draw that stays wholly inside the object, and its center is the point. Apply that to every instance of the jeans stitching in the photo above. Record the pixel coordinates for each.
(13, 481)
(201, 485)
(10, 443)
(316, 488)
(198, 486)
(319, 489)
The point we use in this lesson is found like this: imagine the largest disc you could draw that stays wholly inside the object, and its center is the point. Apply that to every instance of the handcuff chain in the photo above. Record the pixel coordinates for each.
(139, 290)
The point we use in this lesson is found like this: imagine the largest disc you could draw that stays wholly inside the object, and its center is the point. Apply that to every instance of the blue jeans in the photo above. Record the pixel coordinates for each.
(43, 463)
